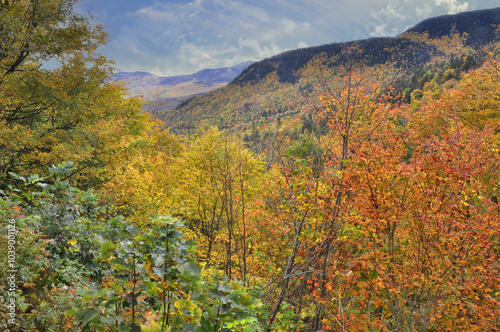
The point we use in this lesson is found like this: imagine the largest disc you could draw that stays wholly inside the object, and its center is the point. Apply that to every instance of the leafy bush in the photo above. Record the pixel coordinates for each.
(77, 271)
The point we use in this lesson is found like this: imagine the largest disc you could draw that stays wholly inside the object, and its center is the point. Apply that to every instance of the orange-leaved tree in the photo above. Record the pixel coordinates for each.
(425, 250)
(315, 197)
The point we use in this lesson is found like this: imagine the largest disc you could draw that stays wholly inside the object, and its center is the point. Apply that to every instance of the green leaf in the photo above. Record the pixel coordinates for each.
(88, 315)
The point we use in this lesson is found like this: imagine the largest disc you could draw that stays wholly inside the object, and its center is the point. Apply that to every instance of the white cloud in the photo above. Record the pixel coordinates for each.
(392, 12)
(453, 5)
(156, 71)
(156, 13)
(425, 10)
(288, 24)
(379, 31)
(383, 30)
(195, 56)
(395, 17)
(253, 48)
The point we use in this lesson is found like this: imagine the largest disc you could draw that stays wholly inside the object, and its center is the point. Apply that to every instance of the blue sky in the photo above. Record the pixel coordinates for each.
(171, 37)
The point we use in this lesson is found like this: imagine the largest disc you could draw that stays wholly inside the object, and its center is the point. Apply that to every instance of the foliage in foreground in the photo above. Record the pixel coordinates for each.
(83, 273)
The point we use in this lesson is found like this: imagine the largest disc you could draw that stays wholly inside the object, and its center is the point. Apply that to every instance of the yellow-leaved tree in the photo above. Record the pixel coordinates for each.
(142, 177)
(56, 99)
(217, 176)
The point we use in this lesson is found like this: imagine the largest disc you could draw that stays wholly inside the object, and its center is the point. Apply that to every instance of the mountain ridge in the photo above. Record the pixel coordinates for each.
(481, 26)
(277, 88)
(477, 24)
(172, 90)
(209, 75)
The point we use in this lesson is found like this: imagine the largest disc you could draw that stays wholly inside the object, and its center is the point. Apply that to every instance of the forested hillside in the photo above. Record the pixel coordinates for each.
(262, 92)
(350, 187)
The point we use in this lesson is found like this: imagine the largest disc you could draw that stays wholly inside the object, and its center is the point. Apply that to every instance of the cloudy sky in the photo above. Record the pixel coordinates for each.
(172, 37)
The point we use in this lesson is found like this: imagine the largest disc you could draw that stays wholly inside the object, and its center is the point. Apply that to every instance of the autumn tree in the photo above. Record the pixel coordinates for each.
(141, 178)
(420, 239)
(473, 101)
(217, 176)
(313, 195)
(71, 112)
(417, 246)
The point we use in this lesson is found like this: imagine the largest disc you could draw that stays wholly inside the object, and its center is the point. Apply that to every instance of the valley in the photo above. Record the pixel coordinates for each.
(350, 186)
(165, 93)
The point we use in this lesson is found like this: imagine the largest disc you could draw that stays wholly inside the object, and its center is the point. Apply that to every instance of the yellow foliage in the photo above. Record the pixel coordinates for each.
(141, 179)
(216, 177)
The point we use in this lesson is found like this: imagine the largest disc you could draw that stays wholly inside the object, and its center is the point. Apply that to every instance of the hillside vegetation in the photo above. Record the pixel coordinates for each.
(350, 187)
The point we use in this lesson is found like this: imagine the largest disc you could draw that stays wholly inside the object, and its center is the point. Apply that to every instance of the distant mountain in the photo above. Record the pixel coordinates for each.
(172, 90)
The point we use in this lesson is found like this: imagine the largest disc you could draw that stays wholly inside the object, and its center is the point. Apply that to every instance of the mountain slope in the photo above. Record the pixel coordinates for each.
(376, 51)
(278, 88)
(480, 25)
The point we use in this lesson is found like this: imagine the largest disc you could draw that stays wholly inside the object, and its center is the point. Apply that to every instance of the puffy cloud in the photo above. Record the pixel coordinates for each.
(453, 5)
(252, 48)
(396, 16)
(302, 44)
(393, 12)
(382, 31)
(195, 56)
(206, 33)
(425, 10)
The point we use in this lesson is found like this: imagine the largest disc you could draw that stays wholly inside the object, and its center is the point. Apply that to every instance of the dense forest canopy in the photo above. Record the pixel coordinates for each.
(348, 187)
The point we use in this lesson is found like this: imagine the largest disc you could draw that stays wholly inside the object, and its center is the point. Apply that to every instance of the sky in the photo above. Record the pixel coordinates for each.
(173, 37)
